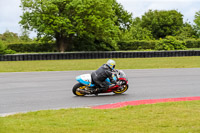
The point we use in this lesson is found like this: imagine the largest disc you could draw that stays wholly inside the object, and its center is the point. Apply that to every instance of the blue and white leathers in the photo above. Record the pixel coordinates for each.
(86, 79)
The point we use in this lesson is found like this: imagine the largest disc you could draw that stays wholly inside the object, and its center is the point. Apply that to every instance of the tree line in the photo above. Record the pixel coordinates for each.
(100, 24)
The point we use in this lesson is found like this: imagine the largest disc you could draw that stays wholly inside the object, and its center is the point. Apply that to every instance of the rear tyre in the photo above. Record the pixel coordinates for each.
(76, 89)
(120, 91)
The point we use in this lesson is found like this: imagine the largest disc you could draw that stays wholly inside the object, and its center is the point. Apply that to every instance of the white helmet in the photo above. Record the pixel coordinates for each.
(111, 63)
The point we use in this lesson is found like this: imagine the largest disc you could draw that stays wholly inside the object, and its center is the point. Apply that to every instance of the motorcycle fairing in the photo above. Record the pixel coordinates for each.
(86, 79)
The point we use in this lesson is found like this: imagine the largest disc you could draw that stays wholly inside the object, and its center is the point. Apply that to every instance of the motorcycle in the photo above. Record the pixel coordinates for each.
(85, 85)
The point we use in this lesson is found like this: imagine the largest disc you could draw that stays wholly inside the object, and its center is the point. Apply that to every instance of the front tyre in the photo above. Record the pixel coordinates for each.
(77, 89)
(122, 90)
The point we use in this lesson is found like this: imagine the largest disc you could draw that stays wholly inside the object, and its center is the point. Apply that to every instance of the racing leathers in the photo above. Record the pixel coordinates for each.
(99, 76)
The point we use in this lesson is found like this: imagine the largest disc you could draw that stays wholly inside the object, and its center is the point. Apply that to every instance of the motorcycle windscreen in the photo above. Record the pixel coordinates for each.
(85, 79)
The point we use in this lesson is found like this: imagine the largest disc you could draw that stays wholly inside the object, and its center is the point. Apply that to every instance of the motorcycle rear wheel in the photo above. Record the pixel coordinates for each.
(77, 87)
(125, 88)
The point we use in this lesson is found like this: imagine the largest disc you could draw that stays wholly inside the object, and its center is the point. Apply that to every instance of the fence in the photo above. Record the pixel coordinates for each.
(96, 55)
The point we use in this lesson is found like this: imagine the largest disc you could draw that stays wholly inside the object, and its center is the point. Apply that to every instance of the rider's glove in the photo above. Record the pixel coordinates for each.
(114, 70)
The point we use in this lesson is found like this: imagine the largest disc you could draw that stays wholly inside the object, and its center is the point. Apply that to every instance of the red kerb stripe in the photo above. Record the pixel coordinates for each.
(149, 101)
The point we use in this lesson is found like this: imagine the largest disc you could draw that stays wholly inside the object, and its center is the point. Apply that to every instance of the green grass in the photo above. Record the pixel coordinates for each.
(92, 64)
(173, 117)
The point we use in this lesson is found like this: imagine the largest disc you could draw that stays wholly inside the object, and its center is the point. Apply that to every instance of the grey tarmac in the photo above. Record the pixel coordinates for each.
(31, 91)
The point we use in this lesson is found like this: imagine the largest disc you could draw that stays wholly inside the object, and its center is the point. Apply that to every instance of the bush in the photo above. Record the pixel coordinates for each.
(192, 43)
(33, 47)
(9, 51)
(2, 47)
(4, 50)
(137, 45)
(170, 43)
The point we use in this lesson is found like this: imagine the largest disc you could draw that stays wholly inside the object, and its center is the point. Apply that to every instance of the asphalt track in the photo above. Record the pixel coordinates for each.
(31, 91)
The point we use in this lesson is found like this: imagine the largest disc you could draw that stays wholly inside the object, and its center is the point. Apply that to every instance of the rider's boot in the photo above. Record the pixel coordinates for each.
(99, 90)
(94, 90)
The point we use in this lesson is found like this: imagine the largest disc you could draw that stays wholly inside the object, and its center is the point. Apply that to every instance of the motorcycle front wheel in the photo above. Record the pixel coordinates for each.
(77, 89)
(120, 91)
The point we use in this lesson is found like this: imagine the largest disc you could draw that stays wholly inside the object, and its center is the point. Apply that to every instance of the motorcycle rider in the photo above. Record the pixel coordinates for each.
(105, 71)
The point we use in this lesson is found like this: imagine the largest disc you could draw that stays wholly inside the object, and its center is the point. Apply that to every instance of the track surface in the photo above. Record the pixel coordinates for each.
(30, 91)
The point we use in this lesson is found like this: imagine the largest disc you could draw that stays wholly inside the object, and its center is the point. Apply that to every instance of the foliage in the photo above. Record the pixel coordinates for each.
(33, 47)
(102, 25)
(136, 32)
(11, 37)
(186, 32)
(25, 36)
(170, 43)
(85, 44)
(137, 45)
(71, 20)
(139, 33)
(5, 50)
(9, 51)
(162, 23)
(197, 22)
(158, 24)
(124, 18)
(192, 43)
(2, 47)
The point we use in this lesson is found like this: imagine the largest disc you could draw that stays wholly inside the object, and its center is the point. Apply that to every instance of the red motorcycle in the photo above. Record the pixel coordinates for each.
(85, 86)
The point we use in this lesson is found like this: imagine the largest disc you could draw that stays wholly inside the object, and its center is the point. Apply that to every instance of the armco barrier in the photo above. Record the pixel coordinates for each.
(96, 55)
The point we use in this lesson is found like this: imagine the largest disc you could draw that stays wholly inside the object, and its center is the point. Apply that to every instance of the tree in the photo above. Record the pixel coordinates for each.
(197, 22)
(68, 20)
(8, 36)
(11, 37)
(186, 32)
(25, 36)
(137, 32)
(162, 23)
(124, 18)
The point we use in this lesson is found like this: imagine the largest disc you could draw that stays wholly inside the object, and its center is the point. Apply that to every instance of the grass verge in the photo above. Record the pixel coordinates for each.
(173, 117)
(92, 64)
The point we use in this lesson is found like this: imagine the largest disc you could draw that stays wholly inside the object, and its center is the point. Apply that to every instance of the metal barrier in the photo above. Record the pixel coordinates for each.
(96, 55)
